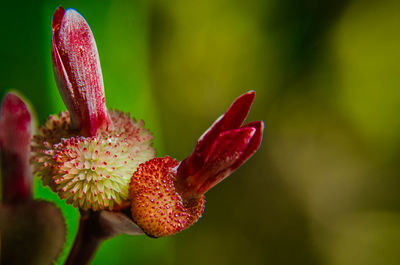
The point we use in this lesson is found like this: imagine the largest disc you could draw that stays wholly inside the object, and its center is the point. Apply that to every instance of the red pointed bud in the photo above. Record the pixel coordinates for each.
(15, 135)
(77, 71)
(221, 149)
(232, 119)
(228, 148)
(167, 196)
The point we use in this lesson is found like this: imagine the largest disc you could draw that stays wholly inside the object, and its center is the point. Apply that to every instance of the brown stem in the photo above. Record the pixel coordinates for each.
(87, 241)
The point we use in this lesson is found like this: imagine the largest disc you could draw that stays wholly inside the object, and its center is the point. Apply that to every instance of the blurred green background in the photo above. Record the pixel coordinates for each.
(322, 189)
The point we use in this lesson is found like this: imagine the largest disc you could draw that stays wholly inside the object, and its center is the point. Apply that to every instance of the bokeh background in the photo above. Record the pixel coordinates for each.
(323, 187)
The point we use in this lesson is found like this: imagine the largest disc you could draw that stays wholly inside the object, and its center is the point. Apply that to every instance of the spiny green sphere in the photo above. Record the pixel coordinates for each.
(91, 172)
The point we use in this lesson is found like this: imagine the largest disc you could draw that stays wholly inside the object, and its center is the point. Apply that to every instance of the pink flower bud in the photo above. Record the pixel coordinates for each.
(225, 146)
(88, 154)
(15, 136)
(77, 71)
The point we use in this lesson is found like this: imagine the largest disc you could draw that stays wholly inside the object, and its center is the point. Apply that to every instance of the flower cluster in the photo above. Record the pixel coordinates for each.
(101, 160)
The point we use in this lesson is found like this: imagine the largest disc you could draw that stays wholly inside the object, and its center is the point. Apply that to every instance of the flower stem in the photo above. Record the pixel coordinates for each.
(87, 241)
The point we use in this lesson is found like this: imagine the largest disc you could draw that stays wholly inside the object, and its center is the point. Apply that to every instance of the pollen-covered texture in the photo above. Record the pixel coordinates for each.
(91, 172)
(156, 206)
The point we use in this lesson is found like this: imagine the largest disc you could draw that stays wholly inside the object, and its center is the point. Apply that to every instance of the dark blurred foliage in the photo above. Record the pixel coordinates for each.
(322, 189)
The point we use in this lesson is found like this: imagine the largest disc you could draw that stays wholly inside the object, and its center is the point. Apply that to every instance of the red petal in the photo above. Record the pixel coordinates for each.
(78, 73)
(253, 145)
(232, 119)
(229, 147)
(250, 149)
(15, 135)
(237, 112)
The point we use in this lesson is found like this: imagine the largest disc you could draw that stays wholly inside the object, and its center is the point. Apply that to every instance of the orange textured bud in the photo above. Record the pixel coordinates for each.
(157, 207)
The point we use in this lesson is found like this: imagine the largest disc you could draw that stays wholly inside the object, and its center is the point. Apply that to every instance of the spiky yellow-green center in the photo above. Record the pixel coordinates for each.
(91, 172)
